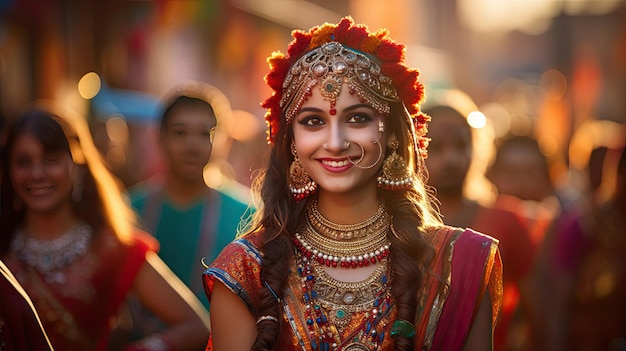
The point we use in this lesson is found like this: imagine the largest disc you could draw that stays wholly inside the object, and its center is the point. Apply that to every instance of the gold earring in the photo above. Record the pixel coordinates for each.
(394, 174)
(300, 184)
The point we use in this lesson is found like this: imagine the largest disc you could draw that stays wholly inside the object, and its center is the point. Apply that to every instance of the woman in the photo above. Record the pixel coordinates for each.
(347, 252)
(68, 237)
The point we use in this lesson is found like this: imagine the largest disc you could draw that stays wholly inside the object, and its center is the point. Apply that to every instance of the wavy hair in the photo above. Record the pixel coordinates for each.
(278, 216)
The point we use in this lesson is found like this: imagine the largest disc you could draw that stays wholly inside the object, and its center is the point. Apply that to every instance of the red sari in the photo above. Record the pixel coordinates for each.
(20, 327)
(77, 313)
(466, 266)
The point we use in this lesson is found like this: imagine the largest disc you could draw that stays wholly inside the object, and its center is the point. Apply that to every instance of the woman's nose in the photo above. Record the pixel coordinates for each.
(337, 140)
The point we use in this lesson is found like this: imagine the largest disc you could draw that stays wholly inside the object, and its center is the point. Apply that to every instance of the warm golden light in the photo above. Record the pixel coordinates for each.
(89, 85)
(476, 119)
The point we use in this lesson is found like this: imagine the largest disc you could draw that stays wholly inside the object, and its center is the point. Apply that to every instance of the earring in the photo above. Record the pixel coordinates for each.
(300, 184)
(394, 174)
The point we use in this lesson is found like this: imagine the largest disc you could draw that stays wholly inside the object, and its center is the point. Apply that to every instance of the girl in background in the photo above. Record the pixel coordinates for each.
(69, 238)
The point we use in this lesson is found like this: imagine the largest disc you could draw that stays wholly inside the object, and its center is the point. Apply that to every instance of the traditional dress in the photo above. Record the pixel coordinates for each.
(20, 328)
(466, 266)
(78, 302)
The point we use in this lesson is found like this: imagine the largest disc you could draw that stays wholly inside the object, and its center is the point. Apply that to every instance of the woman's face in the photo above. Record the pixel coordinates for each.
(41, 179)
(326, 142)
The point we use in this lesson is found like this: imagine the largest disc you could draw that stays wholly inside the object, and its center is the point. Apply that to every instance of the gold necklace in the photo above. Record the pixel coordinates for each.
(347, 253)
(343, 299)
(337, 231)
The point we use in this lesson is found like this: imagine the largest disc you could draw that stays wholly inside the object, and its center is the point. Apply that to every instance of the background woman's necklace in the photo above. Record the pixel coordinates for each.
(49, 257)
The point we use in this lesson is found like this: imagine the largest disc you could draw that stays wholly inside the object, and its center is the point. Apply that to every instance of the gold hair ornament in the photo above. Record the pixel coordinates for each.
(329, 66)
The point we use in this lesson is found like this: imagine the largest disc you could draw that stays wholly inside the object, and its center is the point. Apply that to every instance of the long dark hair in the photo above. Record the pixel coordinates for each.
(278, 216)
(101, 204)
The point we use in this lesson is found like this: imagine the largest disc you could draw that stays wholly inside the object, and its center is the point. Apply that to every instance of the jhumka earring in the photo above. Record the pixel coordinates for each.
(300, 184)
(395, 175)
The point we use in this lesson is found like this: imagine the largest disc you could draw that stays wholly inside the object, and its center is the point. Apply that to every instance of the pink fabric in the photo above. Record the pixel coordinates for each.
(471, 252)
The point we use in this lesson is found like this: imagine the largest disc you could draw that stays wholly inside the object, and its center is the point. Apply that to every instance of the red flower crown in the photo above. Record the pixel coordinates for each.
(390, 54)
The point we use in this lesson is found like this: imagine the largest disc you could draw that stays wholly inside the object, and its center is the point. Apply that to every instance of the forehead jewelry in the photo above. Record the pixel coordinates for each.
(328, 67)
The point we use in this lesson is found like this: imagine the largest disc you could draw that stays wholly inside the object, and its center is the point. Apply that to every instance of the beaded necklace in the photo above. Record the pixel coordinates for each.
(331, 306)
(325, 321)
(347, 246)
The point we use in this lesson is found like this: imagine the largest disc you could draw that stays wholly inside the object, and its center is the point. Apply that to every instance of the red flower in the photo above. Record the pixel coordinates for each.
(390, 54)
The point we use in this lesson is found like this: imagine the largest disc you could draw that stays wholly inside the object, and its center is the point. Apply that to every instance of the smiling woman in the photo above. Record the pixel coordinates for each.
(347, 251)
(69, 238)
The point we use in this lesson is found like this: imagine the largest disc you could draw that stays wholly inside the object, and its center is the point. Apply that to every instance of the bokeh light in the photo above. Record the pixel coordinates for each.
(89, 85)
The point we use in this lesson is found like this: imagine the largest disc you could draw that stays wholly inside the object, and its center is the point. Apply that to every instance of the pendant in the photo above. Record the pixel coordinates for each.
(356, 346)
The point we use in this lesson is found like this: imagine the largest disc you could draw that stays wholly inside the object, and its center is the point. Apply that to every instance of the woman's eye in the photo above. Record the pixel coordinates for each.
(359, 118)
(179, 132)
(311, 121)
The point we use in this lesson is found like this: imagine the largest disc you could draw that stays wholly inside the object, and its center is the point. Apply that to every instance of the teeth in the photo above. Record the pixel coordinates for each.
(39, 190)
(336, 163)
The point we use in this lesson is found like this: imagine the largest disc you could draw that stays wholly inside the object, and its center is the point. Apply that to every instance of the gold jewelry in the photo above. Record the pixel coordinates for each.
(353, 253)
(300, 184)
(395, 174)
(329, 66)
(49, 257)
(321, 224)
(343, 299)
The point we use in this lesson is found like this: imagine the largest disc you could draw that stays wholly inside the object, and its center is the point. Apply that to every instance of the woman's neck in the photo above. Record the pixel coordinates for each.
(49, 225)
(348, 208)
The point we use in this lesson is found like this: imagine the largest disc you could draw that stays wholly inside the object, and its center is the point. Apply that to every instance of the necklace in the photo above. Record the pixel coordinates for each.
(321, 224)
(49, 257)
(342, 299)
(347, 253)
(329, 308)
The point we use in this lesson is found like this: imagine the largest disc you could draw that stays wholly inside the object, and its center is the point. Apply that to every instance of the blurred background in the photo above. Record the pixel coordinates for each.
(553, 72)
(532, 67)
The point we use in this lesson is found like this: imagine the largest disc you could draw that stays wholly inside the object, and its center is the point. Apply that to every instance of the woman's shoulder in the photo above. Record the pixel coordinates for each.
(445, 236)
(245, 247)
(134, 247)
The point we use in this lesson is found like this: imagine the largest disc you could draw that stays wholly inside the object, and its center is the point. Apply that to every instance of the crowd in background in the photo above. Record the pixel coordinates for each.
(549, 184)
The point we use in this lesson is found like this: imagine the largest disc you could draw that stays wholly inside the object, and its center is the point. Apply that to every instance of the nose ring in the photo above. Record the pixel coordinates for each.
(347, 145)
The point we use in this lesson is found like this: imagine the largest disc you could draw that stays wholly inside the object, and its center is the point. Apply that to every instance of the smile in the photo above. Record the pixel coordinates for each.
(342, 163)
(38, 191)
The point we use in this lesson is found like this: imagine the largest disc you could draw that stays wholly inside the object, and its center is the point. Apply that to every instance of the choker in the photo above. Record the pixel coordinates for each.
(354, 253)
(377, 222)
(49, 257)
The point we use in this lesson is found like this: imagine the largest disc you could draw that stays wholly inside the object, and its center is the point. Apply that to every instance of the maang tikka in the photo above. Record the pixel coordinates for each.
(300, 184)
(395, 174)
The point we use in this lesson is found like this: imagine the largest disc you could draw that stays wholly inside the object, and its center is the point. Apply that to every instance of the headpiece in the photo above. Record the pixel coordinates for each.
(328, 55)
(329, 66)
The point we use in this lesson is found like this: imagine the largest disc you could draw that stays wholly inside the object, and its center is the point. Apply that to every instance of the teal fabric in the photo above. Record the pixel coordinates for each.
(178, 232)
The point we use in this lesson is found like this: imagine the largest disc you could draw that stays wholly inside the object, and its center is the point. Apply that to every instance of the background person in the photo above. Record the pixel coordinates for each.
(69, 238)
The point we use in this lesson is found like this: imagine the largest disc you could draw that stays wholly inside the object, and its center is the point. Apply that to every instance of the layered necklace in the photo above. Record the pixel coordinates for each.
(330, 304)
(49, 257)
(348, 246)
